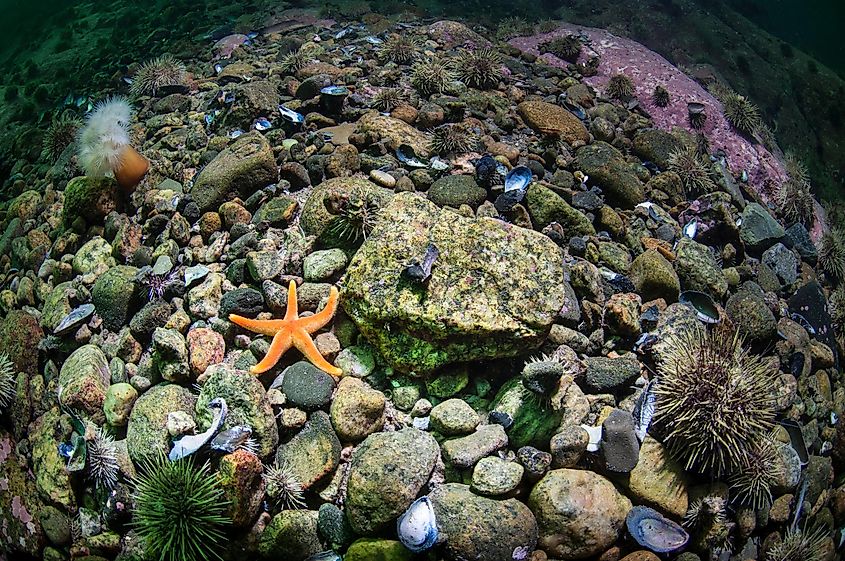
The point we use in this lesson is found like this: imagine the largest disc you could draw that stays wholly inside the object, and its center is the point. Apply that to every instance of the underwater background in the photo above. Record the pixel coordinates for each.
(785, 55)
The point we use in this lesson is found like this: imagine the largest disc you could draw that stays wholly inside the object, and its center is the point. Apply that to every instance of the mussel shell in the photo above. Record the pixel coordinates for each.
(796, 439)
(509, 199)
(325, 556)
(417, 527)
(695, 108)
(406, 154)
(335, 91)
(518, 179)
(231, 439)
(651, 530)
(75, 318)
(705, 308)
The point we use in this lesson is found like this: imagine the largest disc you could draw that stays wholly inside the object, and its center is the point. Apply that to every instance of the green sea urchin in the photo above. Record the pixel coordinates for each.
(157, 74)
(832, 253)
(795, 168)
(660, 96)
(284, 490)
(453, 137)
(387, 99)
(354, 218)
(796, 202)
(179, 510)
(297, 60)
(102, 460)
(398, 48)
(693, 169)
(546, 26)
(480, 68)
(741, 113)
(714, 399)
(511, 27)
(801, 545)
(620, 87)
(8, 376)
(565, 48)
(757, 472)
(431, 75)
(707, 518)
(60, 134)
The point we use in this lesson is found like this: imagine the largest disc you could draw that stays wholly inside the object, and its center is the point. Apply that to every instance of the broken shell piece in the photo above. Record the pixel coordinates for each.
(705, 308)
(652, 530)
(187, 445)
(595, 438)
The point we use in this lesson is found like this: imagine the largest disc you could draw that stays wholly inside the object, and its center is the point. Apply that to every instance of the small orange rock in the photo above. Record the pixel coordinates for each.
(641, 556)
(660, 245)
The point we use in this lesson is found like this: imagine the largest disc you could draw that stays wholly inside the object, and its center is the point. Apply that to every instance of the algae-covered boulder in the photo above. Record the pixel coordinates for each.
(92, 198)
(247, 403)
(84, 380)
(241, 169)
(316, 220)
(656, 146)
(377, 549)
(480, 528)
(115, 296)
(545, 206)
(654, 277)
(608, 168)
(20, 505)
(494, 289)
(456, 190)
(394, 132)
(579, 513)
(533, 422)
(146, 433)
(698, 270)
(313, 453)
(291, 536)
(387, 471)
(19, 338)
(57, 305)
(550, 119)
(51, 476)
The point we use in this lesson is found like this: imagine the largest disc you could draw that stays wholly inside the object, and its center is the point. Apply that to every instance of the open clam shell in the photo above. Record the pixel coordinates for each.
(417, 527)
(652, 530)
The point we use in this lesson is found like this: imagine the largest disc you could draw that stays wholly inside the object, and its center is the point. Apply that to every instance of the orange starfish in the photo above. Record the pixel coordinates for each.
(292, 331)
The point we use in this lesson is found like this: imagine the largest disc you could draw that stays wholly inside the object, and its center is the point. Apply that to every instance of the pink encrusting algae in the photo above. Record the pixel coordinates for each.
(648, 69)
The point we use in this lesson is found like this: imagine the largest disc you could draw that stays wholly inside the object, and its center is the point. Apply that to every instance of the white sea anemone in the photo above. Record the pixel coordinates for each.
(105, 136)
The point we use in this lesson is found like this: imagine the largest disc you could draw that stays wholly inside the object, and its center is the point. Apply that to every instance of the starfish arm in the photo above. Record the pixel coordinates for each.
(263, 326)
(321, 318)
(293, 307)
(281, 343)
(302, 341)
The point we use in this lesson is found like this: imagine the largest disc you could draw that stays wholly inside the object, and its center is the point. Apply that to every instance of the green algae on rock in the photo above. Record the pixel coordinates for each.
(146, 433)
(115, 296)
(494, 291)
(91, 198)
(607, 167)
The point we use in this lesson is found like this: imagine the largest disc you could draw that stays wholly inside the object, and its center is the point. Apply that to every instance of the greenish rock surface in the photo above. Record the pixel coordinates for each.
(290, 536)
(579, 513)
(120, 398)
(545, 206)
(242, 168)
(654, 277)
(698, 270)
(386, 473)
(464, 452)
(313, 453)
(657, 480)
(24, 518)
(356, 360)
(616, 256)
(57, 305)
(534, 422)
(20, 335)
(278, 211)
(93, 257)
(453, 417)
(456, 190)
(84, 378)
(494, 476)
(334, 527)
(316, 218)
(753, 319)
(51, 476)
(604, 374)
(480, 528)
(91, 198)
(115, 296)
(607, 167)
(377, 549)
(655, 145)
(146, 432)
(357, 410)
(170, 355)
(247, 402)
(759, 230)
(494, 291)
(306, 386)
(323, 265)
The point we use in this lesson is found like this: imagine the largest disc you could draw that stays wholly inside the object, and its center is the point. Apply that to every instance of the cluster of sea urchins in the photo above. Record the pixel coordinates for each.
(713, 400)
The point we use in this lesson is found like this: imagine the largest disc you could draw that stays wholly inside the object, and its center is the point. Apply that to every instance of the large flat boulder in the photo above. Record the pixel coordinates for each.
(494, 289)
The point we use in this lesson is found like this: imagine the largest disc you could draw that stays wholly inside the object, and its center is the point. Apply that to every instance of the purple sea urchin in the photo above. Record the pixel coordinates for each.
(620, 87)
(283, 488)
(60, 134)
(158, 73)
(714, 399)
(693, 169)
(480, 68)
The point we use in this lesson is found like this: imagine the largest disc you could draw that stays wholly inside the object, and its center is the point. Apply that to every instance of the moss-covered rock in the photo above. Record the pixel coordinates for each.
(291, 536)
(57, 305)
(146, 433)
(607, 167)
(394, 132)
(20, 505)
(534, 423)
(377, 549)
(387, 471)
(313, 453)
(456, 190)
(698, 270)
(240, 477)
(51, 477)
(20, 335)
(247, 401)
(94, 257)
(115, 296)
(545, 206)
(91, 198)
(242, 168)
(654, 277)
(655, 145)
(85, 378)
(494, 290)
(550, 119)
